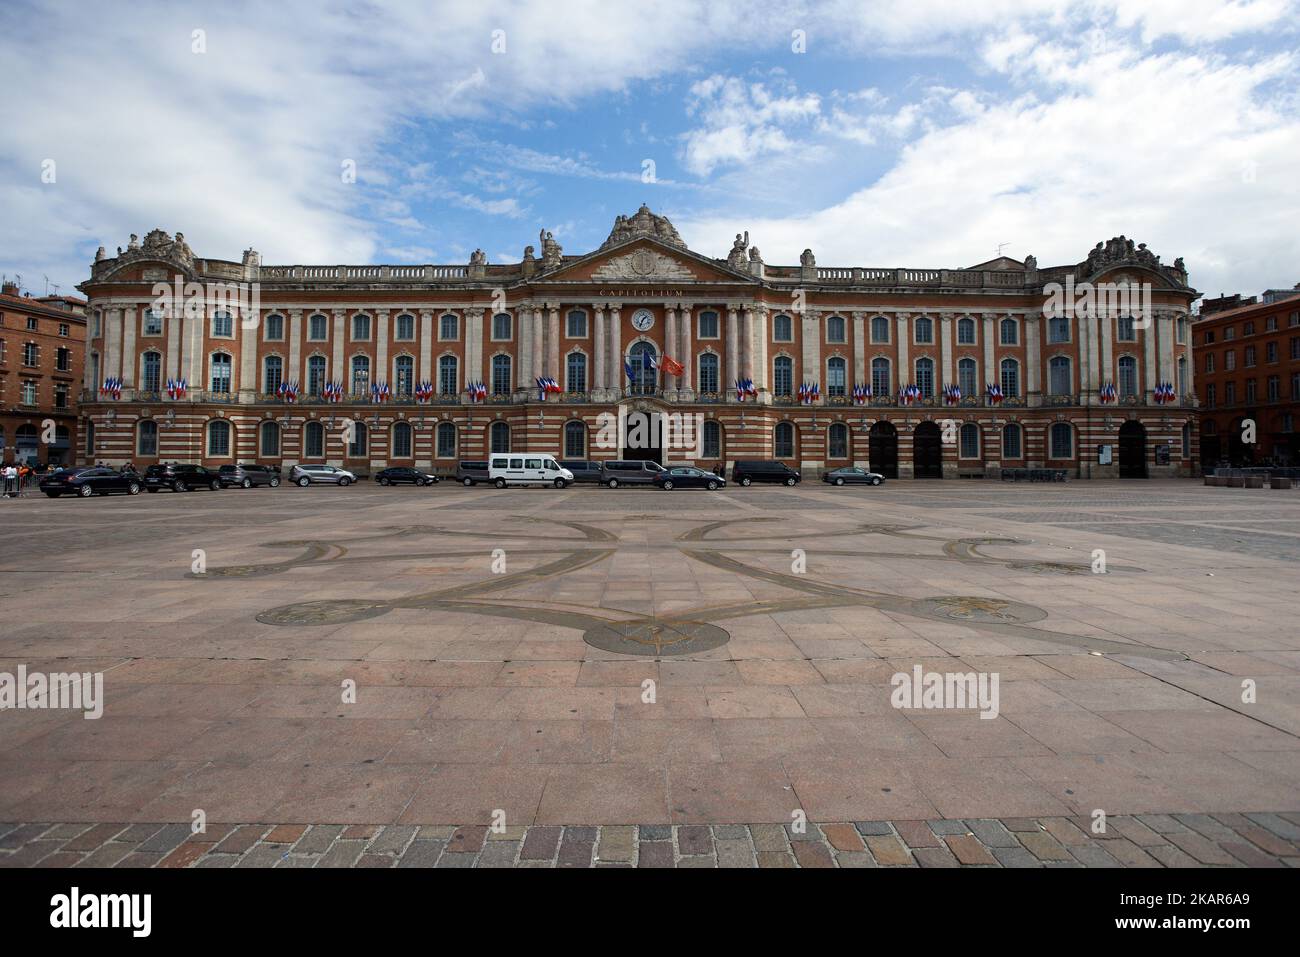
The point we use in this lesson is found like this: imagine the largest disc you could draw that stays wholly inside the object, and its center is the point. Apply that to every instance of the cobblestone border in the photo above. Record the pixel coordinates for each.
(1144, 840)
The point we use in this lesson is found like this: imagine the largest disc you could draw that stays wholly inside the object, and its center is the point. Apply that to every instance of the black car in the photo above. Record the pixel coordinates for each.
(852, 475)
(246, 476)
(687, 476)
(631, 472)
(471, 473)
(746, 473)
(90, 480)
(180, 478)
(583, 470)
(405, 476)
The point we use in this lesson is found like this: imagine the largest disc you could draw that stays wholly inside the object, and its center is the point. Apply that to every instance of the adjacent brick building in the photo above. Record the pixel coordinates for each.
(1248, 368)
(42, 352)
(582, 320)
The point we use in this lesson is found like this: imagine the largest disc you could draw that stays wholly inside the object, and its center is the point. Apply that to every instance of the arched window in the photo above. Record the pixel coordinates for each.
(151, 372)
(501, 375)
(404, 367)
(577, 325)
(218, 438)
(1009, 332)
(1062, 441)
(925, 376)
(577, 372)
(783, 376)
(405, 328)
(1128, 376)
(575, 440)
(449, 328)
(1011, 441)
(782, 329)
(968, 441)
(220, 372)
(838, 441)
(360, 444)
(499, 437)
(836, 374)
(401, 440)
(645, 377)
(1010, 378)
(146, 442)
(360, 375)
(315, 375)
(880, 377)
(835, 329)
(360, 328)
(924, 330)
(967, 378)
(784, 440)
(965, 331)
(501, 326)
(314, 440)
(270, 439)
(448, 378)
(273, 374)
(708, 373)
(879, 329)
(712, 439)
(1059, 380)
(446, 440)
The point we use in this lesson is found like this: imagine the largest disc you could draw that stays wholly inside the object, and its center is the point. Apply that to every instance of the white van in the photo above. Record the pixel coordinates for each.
(513, 468)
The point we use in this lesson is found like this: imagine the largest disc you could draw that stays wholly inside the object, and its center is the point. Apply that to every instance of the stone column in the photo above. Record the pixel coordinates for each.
(600, 359)
(338, 371)
(1150, 348)
(859, 350)
(990, 339)
(539, 347)
(747, 343)
(760, 365)
(904, 335)
(175, 323)
(616, 376)
(945, 350)
(295, 371)
(475, 368)
(112, 345)
(553, 343)
(733, 353)
(426, 373)
(810, 360)
(670, 344)
(1107, 323)
(382, 373)
(687, 356)
(246, 373)
(1033, 359)
(129, 359)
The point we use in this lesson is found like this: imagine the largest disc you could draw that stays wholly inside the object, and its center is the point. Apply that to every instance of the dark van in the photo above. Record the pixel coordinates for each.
(471, 473)
(746, 473)
(634, 472)
(583, 470)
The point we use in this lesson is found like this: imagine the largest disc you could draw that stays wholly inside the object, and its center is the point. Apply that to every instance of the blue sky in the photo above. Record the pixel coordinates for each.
(917, 134)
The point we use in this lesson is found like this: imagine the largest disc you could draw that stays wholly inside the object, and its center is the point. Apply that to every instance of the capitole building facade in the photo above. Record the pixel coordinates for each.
(939, 373)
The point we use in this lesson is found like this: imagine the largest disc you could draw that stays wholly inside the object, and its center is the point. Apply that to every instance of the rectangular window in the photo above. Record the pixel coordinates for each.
(318, 328)
(1126, 332)
(64, 330)
(577, 324)
(405, 328)
(449, 328)
(708, 325)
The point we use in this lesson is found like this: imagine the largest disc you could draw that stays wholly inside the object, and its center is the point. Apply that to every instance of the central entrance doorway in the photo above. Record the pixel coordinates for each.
(882, 449)
(927, 451)
(642, 438)
(1132, 450)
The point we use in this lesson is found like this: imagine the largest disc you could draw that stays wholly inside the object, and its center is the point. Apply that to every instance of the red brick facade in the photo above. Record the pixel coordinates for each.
(724, 319)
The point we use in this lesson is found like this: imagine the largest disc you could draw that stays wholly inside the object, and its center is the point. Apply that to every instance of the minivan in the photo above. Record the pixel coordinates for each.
(246, 476)
(632, 472)
(180, 477)
(523, 469)
(305, 475)
(471, 473)
(746, 473)
(583, 470)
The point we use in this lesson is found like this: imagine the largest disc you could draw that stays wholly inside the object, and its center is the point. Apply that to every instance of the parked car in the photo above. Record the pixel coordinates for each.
(687, 476)
(180, 477)
(851, 475)
(746, 473)
(246, 476)
(304, 475)
(405, 476)
(471, 473)
(89, 480)
(523, 469)
(583, 470)
(632, 472)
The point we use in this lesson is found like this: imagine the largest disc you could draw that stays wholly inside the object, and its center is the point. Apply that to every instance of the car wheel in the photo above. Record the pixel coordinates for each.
(383, 481)
(419, 483)
(789, 482)
(613, 483)
(667, 486)
(875, 481)
(304, 482)
(746, 481)
(467, 482)
(500, 483)
(133, 489)
(246, 483)
(712, 486)
(275, 483)
(178, 486)
(344, 482)
(215, 485)
(85, 491)
(839, 481)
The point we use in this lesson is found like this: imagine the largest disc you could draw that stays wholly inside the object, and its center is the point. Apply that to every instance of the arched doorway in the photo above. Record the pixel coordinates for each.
(927, 451)
(883, 449)
(1132, 450)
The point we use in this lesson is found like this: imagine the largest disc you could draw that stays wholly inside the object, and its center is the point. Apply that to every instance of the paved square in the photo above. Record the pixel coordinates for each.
(620, 667)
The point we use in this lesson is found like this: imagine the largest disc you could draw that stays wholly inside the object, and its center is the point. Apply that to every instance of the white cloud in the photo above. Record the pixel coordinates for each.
(741, 122)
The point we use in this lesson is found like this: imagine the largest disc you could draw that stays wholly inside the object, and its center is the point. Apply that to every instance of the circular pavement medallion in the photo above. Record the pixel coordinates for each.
(326, 612)
(655, 637)
(989, 610)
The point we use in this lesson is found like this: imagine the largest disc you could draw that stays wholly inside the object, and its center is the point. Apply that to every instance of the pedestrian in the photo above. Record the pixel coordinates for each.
(11, 478)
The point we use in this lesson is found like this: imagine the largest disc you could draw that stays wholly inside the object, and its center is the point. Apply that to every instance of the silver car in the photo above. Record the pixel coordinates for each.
(305, 475)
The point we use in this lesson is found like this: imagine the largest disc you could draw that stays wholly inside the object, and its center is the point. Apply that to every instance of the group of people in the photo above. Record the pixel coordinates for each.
(15, 477)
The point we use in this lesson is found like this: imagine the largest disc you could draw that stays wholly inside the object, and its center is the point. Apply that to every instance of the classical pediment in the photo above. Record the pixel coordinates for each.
(647, 260)
(643, 264)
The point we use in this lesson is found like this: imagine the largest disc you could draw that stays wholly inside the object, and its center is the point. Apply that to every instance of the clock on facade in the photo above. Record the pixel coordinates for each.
(642, 320)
